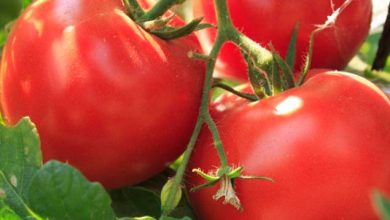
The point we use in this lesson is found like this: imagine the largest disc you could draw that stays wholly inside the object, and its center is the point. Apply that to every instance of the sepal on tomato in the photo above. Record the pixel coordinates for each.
(226, 177)
(227, 191)
(169, 33)
(156, 19)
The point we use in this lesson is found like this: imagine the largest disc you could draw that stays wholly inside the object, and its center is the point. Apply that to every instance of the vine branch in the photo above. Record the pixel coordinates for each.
(262, 59)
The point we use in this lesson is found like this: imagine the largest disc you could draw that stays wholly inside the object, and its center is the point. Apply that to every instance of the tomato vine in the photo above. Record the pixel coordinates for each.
(261, 63)
(268, 73)
(263, 59)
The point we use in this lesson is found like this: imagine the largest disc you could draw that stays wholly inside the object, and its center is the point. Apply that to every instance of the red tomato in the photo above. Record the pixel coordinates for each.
(325, 144)
(106, 96)
(273, 21)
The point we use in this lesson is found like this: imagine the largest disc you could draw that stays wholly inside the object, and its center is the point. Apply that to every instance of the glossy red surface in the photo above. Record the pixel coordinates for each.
(272, 21)
(106, 96)
(326, 145)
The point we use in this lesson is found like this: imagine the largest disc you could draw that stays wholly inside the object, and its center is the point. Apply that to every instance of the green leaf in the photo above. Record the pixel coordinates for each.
(20, 155)
(58, 191)
(135, 201)
(13, 199)
(7, 213)
(383, 204)
(20, 158)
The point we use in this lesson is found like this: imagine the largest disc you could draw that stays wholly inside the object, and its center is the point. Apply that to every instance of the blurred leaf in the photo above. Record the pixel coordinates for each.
(183, 209)
(9, 10)
(383, 204)
(7, 213)
(59, 191)
(132, 201)
(135, 201)
(369, 48)
(3, 37)
(26, 3)
(367, 53)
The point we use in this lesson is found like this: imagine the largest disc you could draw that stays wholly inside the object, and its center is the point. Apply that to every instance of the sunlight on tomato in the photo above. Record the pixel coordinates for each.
(106, 96)
(288, 106)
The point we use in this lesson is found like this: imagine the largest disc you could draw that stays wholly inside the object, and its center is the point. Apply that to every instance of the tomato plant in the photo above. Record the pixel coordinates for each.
(325, 144)
(106, 96)
(117, 102)
(272, 21)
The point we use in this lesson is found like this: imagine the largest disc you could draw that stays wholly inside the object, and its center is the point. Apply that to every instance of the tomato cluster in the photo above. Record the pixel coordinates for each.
(120, 104)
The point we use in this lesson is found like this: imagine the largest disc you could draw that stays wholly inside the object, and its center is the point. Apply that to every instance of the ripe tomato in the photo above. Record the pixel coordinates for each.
(273, 21)
(106, 96)
(326, 145)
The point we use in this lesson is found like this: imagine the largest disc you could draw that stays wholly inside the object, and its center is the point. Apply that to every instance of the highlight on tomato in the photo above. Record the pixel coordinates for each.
(325, 144)
(106, 96)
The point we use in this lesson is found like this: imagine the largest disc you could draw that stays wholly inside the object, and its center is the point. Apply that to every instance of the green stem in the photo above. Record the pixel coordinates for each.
(203, 113)
(133, 8)
(261, 56)
(309, 56)
(206, 99)
(248, 96)
(182, 168)
(226, 32)
(217, 141)
(159, 9)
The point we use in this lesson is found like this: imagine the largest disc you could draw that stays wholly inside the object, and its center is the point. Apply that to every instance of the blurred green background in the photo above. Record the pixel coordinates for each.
(9, 11)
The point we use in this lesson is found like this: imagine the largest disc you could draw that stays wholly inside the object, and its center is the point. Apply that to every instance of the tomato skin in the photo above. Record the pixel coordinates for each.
(106, 96)
(325, 144)
(273, 21)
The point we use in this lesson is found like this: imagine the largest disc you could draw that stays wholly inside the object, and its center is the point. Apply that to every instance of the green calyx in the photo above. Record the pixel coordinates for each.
(226, 177)
(154, 21)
